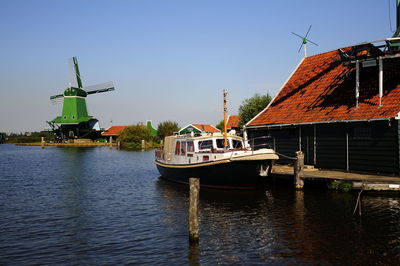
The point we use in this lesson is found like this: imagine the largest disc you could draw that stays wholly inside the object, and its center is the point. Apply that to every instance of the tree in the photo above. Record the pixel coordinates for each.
(253, 106)
(167, 128)
(135, 134)
(220, 125)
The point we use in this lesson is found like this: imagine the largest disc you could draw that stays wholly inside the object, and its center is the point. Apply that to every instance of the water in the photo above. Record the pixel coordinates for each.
(95, 206)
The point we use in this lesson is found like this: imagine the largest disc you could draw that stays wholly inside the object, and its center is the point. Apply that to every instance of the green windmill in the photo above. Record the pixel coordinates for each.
(75, 122)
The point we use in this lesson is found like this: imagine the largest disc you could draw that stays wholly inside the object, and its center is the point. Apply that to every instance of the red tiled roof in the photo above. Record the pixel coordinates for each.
(233, 121)
(323, 89)
(206, 128)
(113, 131)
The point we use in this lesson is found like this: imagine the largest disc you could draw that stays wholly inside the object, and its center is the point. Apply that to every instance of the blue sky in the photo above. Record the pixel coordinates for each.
(169, 60)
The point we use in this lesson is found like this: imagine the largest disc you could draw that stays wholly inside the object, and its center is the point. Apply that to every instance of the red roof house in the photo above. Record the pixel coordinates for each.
(113, 131)
(232, 122)
(340, 108)
(198, 128)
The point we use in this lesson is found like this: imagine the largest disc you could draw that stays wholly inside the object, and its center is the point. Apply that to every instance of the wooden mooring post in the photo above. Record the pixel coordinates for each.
(298, 170)
(119, 145)
(111, 142)
(43, 143)
(194, 184)
(143, 144)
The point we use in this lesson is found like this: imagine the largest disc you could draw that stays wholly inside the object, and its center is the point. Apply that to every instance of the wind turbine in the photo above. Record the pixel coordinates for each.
(304, 42)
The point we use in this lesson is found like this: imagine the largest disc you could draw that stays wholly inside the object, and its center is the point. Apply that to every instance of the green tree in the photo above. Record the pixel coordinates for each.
(220, 125)
(135, 134)
(253, 106)
(167, 128)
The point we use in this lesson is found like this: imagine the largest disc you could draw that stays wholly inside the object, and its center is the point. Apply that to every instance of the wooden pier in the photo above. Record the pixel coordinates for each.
(358, 181)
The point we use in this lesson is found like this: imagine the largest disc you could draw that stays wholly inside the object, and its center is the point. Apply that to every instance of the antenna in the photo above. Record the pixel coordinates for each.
(305, 40)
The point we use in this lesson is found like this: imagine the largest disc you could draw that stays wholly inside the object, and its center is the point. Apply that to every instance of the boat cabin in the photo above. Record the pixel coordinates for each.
(192, 149)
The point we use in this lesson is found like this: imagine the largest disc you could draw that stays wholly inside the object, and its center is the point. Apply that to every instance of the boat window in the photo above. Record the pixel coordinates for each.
(205, 144)
(177, 147)
(183, 147)
(237, 144)
(220, 143)
(190, 146)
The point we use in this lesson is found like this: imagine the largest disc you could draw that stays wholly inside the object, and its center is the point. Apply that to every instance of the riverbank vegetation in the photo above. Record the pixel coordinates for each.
(28, 137)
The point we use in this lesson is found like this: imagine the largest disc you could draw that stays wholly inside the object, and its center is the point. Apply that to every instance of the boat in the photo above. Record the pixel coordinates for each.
(218, 160)
(225, 161)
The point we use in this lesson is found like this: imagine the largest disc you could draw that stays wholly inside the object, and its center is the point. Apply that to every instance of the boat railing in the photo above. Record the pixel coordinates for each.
(264, 142)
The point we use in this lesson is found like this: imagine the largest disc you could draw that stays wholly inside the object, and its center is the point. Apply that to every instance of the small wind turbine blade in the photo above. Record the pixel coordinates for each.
(98, 88)
(75, 77)
(308, 31)
(301, 46)
(56, 96)
(298, 35)
(312, 42)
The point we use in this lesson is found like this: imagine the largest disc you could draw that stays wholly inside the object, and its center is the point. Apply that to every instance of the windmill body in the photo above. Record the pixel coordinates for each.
(75, 122)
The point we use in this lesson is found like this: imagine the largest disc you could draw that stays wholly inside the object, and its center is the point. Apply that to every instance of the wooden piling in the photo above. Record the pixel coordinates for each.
(42, 143)
(194, 184)
(110, 142)
(119, 145)
(143, 144)
(298, 170)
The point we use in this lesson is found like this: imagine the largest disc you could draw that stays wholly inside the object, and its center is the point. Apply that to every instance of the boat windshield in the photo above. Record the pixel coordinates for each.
(220, 143)
(205, 144)
(237, 144)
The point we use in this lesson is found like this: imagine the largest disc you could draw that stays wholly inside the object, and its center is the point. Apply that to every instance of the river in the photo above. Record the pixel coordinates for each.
(96, 206)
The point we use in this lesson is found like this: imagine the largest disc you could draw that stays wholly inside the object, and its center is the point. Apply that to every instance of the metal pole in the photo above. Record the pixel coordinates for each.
(347, 151)
(380, 81)
(357, 82)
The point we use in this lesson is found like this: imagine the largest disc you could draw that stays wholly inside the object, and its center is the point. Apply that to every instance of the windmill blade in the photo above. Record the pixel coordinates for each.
(301, 46)
(312, 42)
(308, 32)
(298, 35)
(56, 96)
(98, 88)
(75, 77)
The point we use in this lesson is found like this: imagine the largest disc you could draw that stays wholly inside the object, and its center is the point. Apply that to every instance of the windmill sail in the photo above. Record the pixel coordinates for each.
(56, 96)
(75, 77)
(98, 88)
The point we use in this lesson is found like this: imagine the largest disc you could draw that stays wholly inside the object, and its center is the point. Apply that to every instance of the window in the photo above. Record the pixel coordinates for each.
(237, 144)
(177, 147)
(205, 144)
(190, 146)
(183, 147)
(220, 143)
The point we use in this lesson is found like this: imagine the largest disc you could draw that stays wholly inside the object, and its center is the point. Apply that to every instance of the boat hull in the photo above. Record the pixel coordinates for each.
(225, 174)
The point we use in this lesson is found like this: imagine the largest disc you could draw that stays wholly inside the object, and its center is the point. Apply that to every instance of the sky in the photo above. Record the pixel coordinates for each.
(168, 59)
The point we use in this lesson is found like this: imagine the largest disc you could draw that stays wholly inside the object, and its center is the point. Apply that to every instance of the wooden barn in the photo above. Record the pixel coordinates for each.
(341, 108)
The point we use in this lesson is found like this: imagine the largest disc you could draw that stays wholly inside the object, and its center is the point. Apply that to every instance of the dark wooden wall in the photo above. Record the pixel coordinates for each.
(359, 146)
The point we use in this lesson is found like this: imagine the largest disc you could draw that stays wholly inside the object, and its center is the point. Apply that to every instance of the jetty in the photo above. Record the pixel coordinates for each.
(358, 180)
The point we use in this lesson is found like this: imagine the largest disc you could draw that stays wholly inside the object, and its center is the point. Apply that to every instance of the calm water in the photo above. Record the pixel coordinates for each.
(95, 206)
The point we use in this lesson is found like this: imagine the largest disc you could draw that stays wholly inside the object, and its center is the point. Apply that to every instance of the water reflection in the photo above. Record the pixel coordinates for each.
(98, 206)
(282, 225)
